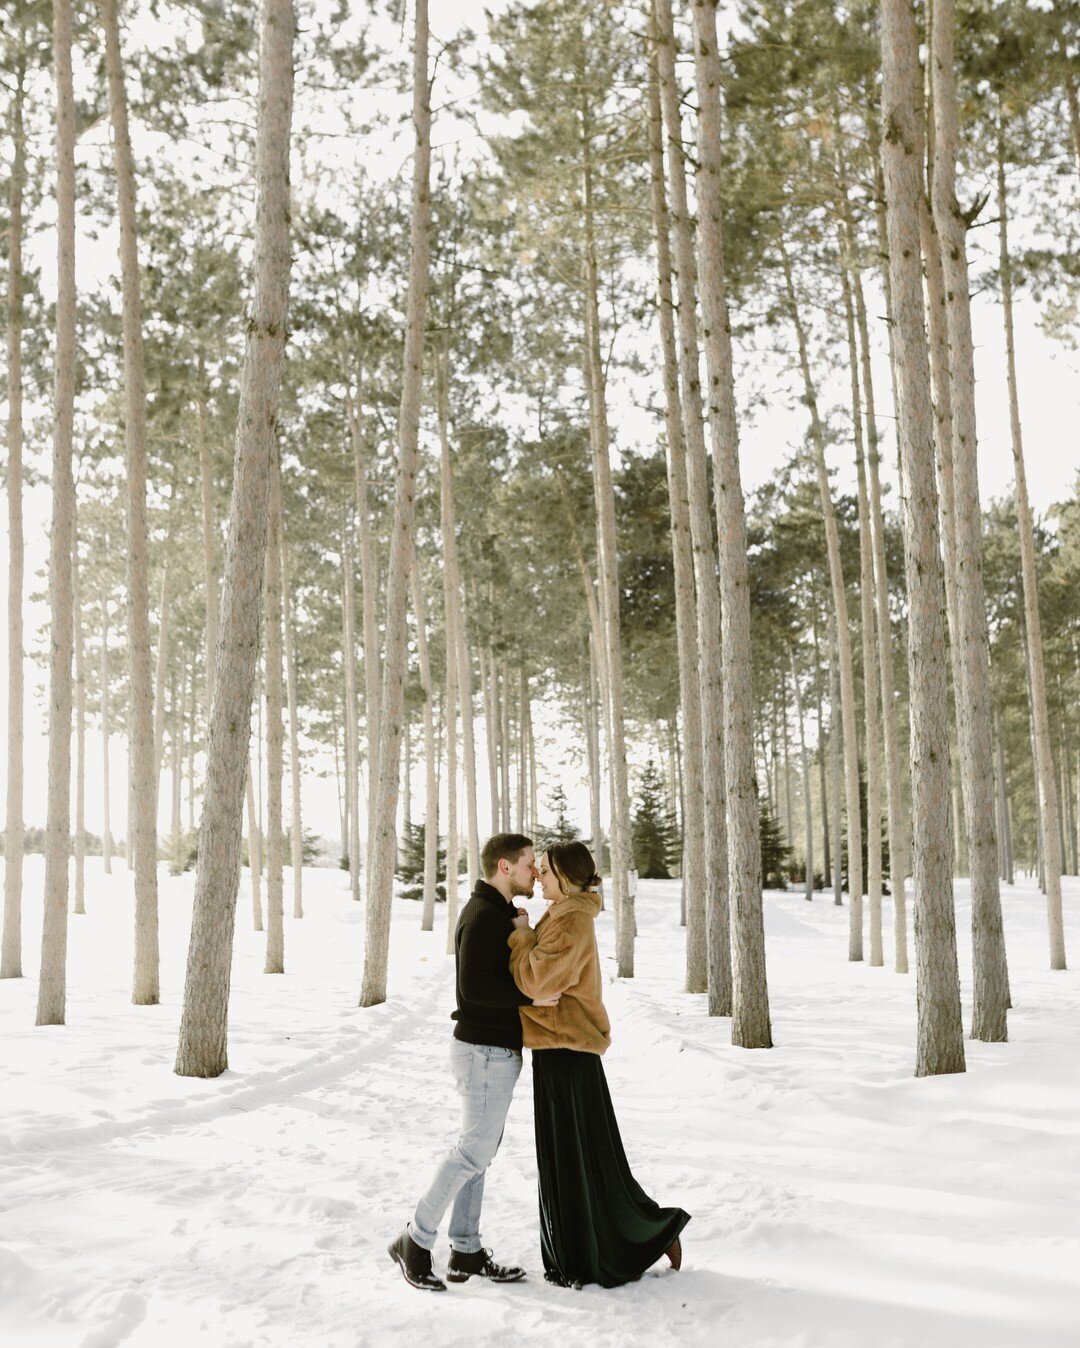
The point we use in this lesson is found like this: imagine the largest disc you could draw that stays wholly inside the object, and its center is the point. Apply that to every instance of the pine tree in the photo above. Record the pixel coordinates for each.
(412, 863)
(654, 832)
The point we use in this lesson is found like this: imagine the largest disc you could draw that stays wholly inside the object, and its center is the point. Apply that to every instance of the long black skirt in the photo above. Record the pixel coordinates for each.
(597, 1224)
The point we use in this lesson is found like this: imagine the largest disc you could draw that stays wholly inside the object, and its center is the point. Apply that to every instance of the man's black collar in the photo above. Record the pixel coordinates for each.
(491, 894)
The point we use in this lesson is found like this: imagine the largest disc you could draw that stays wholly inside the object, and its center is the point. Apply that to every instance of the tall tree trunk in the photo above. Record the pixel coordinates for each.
(14, 828)
(1047, 788)
(352, 729)
(1005, 822)
(106, 731)
(80, 723)
(254, 851)
(206, 482)
(161, 659)
(52, 989)
(142, 823)
(457, 647)
(789, 808)
(692, 870)
(431, 780)
(275, 734)
(809, 813)
(296, 834)
(836, 753)
(381, 868)
(487, 696)
(369, 583)
(715, 903)
(596, 824)
(899, 845)
(853, 806)
(971, 662)
(176, 816)
(193, 722)
(750, 1026)
(872, 708)
(523, 752)
(940, 1035)
(453, 840)
(202, 1048)
(608, 566)
(503, 684)
(826, 872)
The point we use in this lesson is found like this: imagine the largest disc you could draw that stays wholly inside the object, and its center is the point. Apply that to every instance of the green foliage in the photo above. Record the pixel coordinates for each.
(410, 867)
(182, 852)
(562, 828)
(775, 853)
(654, 830)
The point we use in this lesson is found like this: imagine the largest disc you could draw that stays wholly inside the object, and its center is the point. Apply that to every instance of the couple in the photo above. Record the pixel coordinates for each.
(541, 988)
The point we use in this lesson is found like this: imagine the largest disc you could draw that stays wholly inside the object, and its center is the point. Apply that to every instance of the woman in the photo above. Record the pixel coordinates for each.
(596, 1222)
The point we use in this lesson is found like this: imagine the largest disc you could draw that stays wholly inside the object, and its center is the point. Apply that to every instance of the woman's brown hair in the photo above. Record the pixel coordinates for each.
(573, 865)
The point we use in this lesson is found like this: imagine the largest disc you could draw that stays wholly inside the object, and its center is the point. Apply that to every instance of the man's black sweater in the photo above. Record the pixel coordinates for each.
(487, 996)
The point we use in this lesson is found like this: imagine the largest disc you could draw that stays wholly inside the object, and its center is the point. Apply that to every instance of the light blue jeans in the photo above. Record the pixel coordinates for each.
(485, 1077)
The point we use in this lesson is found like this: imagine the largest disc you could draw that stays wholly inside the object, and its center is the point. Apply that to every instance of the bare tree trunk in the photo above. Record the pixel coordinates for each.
(826, 872)
(14, 828)
(161, 660)
(750, 1026)
(608, 566)
(870, 637)
(80, 723)
(209, 548)
(431, 780)
(457, 648)
(715, 899)
(352, 729)
(487, 696)
(254, 852)
(369, 582)
(533, 789)
(502, 682)
(971, 664)
(193, 721)
(142, 820)
(808, 879)
(789, 808)
(596, 825)
(1005, 822)
(275, 734)
(1047, 789)
(202, 1047)
(692, 815)
(453, 841)
(296, 835)
(899, 844)
(853, 806)
(52, 989)
(106, 732)
(177, 755)
(940, 1041)
(523, 752)
(406, 768)
(835, 752)
(381, 868)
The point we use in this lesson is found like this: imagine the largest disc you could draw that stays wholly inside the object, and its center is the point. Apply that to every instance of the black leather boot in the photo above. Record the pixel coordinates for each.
(462, 1267)
(415, 1263)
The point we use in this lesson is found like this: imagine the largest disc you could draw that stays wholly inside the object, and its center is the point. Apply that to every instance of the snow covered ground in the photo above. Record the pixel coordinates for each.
(837, 1202)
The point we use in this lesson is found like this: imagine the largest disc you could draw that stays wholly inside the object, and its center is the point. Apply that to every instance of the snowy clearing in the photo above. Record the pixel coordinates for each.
(837, 1202)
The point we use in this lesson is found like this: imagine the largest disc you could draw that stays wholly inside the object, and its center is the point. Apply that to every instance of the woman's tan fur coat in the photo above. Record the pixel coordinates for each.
(560, 958)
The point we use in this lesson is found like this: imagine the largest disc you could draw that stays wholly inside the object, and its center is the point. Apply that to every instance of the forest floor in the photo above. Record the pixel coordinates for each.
(837, 1201)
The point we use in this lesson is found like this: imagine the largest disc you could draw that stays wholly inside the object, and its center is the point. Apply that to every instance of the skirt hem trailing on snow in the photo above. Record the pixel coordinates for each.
(596, 1222)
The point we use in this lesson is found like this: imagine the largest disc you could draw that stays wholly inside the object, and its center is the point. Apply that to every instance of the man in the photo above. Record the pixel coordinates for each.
(485, 1055)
